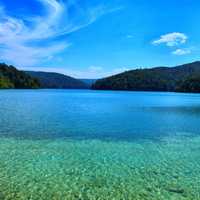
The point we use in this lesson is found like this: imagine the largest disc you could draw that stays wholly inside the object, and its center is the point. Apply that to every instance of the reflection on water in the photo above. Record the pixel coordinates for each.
(190, 110)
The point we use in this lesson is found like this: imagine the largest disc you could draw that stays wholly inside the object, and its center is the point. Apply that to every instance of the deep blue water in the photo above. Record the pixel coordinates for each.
(86, 114)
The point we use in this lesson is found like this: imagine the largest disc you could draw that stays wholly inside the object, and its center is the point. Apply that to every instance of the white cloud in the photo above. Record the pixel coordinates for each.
(23, 55)
(171, 39)
(16, 37)
(27, 44)
(180, 52)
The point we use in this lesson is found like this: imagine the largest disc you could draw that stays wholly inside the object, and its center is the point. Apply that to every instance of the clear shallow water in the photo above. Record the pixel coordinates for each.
(76, 144)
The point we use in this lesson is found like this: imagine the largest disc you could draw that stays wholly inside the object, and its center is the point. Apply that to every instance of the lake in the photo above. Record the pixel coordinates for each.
(84, 144)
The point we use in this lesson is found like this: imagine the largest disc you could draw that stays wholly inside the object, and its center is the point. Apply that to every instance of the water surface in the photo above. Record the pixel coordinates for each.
(82, 144)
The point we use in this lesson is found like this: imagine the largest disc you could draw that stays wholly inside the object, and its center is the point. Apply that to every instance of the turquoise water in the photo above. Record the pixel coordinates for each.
(81, 144)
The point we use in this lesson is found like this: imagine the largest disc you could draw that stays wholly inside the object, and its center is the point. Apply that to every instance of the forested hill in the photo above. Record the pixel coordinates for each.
(56, 80)
(183, 78)
(154, 79)
(10, 77)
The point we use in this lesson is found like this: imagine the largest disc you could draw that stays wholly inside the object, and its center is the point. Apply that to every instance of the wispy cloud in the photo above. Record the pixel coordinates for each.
(181, 52)
(27, 44)
(171, 39)
(17, 39)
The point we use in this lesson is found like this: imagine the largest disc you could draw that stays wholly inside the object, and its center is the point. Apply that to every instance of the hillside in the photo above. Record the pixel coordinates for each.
(154, 79)
(190, 84)
(56, 80)
(10, 77)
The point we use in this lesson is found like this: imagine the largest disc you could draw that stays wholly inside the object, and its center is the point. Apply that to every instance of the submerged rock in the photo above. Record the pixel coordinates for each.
(176, 190)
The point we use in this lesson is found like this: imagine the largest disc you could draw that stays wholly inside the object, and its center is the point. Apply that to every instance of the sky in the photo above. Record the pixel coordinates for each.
(98, 38)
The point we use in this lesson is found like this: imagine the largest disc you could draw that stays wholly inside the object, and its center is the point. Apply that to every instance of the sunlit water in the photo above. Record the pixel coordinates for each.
(81, 144)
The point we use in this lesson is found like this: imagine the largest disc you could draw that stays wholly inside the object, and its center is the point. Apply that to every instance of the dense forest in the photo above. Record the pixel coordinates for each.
(183, 78)
(10, 77)
(190, 84)
(56, 80)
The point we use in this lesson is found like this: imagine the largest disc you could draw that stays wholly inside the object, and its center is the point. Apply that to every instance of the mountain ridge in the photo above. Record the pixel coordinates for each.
(181, 78)
(149, 79)
(53, 80)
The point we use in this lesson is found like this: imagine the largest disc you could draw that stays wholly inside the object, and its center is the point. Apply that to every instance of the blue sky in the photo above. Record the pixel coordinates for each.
(93, 39)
